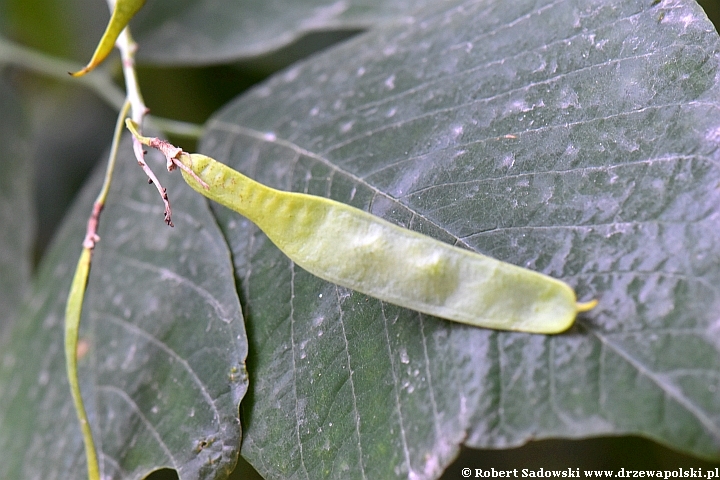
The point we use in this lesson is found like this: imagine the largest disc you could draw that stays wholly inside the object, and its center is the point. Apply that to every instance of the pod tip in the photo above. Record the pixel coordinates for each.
(586, 306)
(81, 72)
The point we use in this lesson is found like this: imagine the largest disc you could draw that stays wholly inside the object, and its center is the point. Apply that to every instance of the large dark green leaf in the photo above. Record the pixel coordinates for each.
(205, 32)
(573, 137)
(164, 370)
(17, 216)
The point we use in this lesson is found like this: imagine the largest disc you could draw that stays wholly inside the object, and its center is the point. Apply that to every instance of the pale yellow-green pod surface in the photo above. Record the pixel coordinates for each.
(355, 249)
(123, 12)
(73, 310)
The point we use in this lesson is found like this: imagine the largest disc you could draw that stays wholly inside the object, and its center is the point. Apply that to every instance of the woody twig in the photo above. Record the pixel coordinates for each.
(127, 47)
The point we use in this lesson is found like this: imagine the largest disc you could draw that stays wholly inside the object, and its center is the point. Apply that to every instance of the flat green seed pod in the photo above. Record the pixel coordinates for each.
(355, 249)
(73, 312)
(123, 12)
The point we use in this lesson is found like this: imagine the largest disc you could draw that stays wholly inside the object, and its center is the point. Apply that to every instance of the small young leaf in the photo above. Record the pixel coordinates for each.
(123, 11)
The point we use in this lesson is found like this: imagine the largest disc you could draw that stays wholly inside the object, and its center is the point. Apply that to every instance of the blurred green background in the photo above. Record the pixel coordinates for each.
(68, 129)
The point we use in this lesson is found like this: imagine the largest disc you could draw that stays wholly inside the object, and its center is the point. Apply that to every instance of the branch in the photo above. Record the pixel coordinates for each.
(171, 152)
(127, 47)
(91, 237)
(99, 81)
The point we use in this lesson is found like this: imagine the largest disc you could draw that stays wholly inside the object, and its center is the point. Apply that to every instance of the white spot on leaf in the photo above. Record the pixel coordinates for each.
(347, 126)
(714, 135)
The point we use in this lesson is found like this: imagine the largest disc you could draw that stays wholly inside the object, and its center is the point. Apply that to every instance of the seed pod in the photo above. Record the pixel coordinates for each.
(355, 249)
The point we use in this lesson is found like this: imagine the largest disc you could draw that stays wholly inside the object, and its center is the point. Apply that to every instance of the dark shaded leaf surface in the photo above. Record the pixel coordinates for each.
(17, 216)
(205, 32)
(573, 137)
(162, 371)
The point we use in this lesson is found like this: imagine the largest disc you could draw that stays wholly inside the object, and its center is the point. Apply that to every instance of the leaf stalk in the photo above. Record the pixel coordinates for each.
(73, 309)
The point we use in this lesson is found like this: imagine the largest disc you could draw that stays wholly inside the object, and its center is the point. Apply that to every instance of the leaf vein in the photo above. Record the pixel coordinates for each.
(352, 387)
(476, 102)
(170, 352)
(239, 130)
(294, 368)
(145, 421)
(403, 438)
(167, 274)
(670, 390)
(431, 389)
